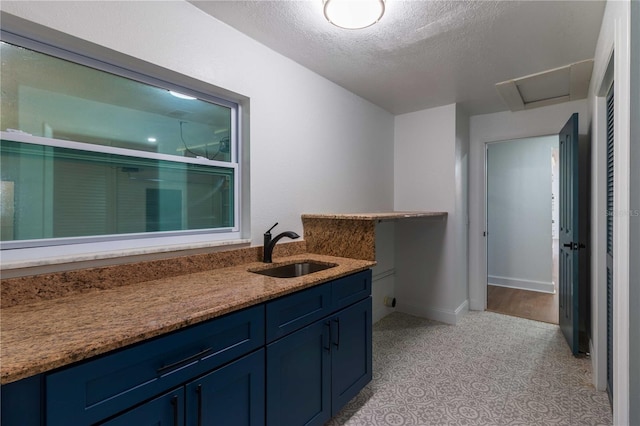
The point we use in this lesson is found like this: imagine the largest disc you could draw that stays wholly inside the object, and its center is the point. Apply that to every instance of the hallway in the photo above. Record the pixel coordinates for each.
(528, 304)
(490, 369)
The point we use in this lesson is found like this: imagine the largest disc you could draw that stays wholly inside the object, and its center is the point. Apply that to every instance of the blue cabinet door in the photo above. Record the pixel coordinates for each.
(299, 377)
(351, 358)
(165, 410)
(232, 395)
(21, 402)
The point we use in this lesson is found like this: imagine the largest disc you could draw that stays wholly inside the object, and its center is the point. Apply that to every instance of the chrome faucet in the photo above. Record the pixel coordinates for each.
(269, 243)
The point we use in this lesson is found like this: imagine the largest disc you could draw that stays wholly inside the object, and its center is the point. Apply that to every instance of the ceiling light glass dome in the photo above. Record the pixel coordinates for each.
(353, 14)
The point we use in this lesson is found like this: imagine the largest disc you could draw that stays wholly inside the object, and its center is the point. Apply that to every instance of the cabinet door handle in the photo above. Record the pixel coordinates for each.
(337, 343)
(328, 325)
(199, 392)
(164, 369)
(174, 403)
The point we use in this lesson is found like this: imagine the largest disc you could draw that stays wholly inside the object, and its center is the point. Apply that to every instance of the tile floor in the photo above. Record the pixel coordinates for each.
(490, 369)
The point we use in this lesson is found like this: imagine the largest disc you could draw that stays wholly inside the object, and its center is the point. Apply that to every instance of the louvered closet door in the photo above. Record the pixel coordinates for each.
(610, 218)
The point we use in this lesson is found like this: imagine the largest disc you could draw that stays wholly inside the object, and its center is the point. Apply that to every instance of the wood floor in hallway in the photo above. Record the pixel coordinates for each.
(523, 303)
(528, 304)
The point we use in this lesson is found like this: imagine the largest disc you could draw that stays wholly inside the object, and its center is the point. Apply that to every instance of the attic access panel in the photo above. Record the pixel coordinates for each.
(567, 83)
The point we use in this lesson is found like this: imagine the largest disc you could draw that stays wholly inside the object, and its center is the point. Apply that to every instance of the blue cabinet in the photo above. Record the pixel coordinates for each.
(295, 360)
(314, 371)
(232, 395)
(96, 389)
(22, 402)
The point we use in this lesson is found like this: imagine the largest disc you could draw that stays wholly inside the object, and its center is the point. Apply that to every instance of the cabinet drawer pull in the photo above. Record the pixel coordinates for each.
(328, 325)
(174, 403)
(337, 343)
(199, 392)
(164, 369)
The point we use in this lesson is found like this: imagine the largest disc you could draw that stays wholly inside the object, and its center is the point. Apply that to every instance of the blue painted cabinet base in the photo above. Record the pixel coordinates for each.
(317, 357)
(229, 396)
(22, 402)
(314, 372)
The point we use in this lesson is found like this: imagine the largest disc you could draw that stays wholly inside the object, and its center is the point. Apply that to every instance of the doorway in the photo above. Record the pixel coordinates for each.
(522, 227)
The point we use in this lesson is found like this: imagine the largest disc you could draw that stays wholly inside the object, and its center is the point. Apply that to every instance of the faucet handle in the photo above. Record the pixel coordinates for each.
(269, 231)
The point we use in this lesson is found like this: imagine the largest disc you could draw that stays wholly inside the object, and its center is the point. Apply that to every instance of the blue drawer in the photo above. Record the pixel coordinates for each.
(92, 390)
(292, 312)
(348, 290)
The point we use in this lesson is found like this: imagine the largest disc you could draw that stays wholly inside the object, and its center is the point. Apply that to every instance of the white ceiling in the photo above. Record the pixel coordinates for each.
(424, 54)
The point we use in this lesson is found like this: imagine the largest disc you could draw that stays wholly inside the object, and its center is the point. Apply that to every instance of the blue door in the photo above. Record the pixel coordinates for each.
(229, 396)
(569, 297)
(165, 410)
(299, 377)
(351, 353)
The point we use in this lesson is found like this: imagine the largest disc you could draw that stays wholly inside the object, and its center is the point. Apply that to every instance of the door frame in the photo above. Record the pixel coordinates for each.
(617, 69)
(525, 124)
(485, 202)
(492, 128)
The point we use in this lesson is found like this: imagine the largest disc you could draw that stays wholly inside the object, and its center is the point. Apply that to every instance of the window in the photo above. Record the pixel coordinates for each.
(91, 152)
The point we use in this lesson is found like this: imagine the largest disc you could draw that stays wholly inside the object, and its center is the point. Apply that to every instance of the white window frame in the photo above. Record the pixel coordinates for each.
(29, 253)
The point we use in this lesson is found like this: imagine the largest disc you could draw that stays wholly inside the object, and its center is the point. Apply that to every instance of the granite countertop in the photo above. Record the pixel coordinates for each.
(379, 217)
(40, 336)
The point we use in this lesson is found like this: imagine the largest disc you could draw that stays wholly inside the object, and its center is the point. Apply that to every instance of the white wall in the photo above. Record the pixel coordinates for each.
(384, 277)
(555, 193)
(614, 37)
(519, 213)
(423, 139)
(314, 147)
(460, 264)
(503, 126)
(430, 174)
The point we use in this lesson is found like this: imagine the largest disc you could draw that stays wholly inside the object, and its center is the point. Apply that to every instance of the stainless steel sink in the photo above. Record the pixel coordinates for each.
(293, 270)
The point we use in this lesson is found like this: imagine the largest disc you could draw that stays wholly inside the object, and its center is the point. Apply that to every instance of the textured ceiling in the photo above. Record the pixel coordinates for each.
(424, 54)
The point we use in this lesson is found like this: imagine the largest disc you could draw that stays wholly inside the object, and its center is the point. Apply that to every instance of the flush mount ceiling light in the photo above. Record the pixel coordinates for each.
(353, 14)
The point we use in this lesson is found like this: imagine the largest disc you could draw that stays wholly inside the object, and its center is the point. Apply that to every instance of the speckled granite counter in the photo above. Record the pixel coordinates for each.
(43, 335)
(35, 288)
(378, 217)
(51, 320)
(352, 235)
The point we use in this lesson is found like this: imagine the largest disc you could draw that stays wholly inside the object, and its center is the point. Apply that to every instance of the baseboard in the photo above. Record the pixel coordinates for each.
(599, 380)
(477, 304)
(540, 286)
(380, 313)
(435, 314)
